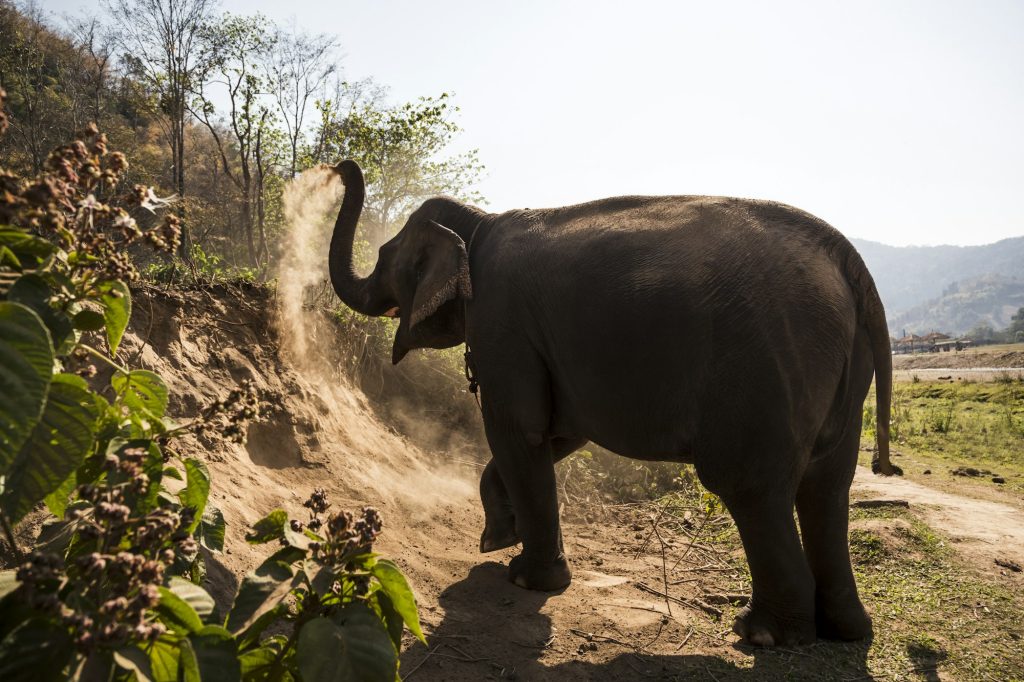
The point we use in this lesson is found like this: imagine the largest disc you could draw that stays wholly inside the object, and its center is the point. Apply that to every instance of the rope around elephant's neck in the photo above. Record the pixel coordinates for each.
(474, 385)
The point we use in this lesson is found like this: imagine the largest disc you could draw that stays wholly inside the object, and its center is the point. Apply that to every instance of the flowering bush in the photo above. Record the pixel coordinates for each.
(112, 589)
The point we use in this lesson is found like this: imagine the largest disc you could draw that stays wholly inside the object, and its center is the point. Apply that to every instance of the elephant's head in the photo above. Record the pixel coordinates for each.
(421, 276)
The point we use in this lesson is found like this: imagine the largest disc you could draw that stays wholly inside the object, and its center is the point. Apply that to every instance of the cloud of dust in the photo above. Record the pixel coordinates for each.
(303, 264)
(374, 455)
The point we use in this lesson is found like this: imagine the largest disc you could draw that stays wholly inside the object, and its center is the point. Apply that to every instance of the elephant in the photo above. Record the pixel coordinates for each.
(738, 335)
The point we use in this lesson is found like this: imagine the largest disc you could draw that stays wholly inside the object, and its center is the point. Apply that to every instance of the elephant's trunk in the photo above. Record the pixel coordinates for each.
(353, 290)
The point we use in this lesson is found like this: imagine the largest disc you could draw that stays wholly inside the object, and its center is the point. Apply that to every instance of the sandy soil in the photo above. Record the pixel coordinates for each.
(320, 431)
(981, 530)
(976, 364)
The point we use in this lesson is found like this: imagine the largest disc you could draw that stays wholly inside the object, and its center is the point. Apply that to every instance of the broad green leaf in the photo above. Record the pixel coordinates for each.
(57, 501)
(36, 650)
(353, 645)
(194, 595)
(14, 609)
(34, 292)
(163, 659)
(252, 633)
(117, 310)
(261, 590)
(211, 530)
(323, 578)
(153, 466)
(134, 660)
(216, 654)
(172, 472)
(87, 320)
(189, 663)
(8, 258)
(26, 364)
(257, 659)
(58, 445)
(269, 528)
(143, 390)
(177, 614)
(196, 490)
(29, 250)
(392, 619)
(397, 588)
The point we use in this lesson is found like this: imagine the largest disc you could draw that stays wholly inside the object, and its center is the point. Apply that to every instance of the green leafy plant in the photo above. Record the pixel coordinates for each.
(337, 595)
(206, 269)
(112, 591)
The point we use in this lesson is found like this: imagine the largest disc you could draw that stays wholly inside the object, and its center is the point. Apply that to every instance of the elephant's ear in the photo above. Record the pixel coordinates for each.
(443, 266)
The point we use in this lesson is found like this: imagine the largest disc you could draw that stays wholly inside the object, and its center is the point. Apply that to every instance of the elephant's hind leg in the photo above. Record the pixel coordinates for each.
(781, 609)
(823, 506)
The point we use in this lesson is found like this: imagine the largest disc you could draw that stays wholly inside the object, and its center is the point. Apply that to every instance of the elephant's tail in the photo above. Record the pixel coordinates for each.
(872, 314)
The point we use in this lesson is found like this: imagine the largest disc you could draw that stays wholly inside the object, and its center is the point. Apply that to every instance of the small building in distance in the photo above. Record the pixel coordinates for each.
(933, 342)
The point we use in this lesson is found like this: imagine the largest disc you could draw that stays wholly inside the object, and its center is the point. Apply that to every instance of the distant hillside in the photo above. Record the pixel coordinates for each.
(991, 300)
(947, 288)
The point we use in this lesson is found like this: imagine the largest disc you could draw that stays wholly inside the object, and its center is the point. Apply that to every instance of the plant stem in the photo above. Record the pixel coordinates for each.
(92, 351)
(10, 537)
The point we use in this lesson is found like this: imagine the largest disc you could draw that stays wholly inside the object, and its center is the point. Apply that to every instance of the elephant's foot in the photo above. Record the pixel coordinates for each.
(761, 628)
(842, 619)
(548, 576)
(498, 534)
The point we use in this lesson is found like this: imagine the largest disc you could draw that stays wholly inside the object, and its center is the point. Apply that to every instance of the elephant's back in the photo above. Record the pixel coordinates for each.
(679, 305)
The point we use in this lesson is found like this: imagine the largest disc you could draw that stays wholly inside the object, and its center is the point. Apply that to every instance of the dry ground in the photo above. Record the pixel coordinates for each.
(985, 363)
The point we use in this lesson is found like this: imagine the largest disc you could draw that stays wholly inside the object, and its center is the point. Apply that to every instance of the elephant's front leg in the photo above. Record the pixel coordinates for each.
(499, 515)
(526, 466)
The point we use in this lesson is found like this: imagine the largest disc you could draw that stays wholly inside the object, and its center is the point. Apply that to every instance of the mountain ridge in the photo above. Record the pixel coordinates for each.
(947, 288)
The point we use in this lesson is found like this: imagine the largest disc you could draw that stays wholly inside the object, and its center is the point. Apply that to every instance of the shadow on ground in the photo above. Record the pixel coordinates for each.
(493, 630)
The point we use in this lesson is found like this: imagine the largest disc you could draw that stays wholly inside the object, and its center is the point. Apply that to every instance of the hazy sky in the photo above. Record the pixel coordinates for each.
(897, 121)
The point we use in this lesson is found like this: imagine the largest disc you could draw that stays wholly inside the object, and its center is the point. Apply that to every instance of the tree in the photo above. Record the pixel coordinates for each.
(234, 48)
(299, 67)
(1016, 323)
(36, 67)
(160, 39)
(400, 151)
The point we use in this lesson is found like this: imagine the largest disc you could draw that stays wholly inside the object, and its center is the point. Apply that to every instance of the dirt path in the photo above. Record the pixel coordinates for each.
(981, 530)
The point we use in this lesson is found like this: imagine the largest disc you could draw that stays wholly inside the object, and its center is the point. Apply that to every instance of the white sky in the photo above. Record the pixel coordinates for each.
(899, 121)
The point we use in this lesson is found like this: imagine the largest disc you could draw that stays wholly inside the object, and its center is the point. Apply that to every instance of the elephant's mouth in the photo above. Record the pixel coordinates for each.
(393, 312)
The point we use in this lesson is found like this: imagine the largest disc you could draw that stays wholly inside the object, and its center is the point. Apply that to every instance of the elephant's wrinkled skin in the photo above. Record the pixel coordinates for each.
(737, 335)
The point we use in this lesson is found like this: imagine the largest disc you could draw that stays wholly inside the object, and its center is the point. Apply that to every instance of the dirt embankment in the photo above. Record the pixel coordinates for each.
(317, 429)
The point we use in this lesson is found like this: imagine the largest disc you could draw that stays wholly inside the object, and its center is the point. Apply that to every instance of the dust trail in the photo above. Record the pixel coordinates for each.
(370, 453)
(303, 265)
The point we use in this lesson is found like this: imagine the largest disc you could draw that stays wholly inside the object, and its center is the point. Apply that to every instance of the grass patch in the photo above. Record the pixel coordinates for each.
(930, 611)
(943, 426)
(933, 615)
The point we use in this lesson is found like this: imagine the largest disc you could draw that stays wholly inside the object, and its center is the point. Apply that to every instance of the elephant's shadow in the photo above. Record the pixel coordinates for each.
(494, 630)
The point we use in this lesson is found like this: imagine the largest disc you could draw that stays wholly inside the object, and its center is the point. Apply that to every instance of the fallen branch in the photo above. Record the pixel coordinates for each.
(874, 504)
(590, 637)
(738, 599)
(430, 652)
(693, 604)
